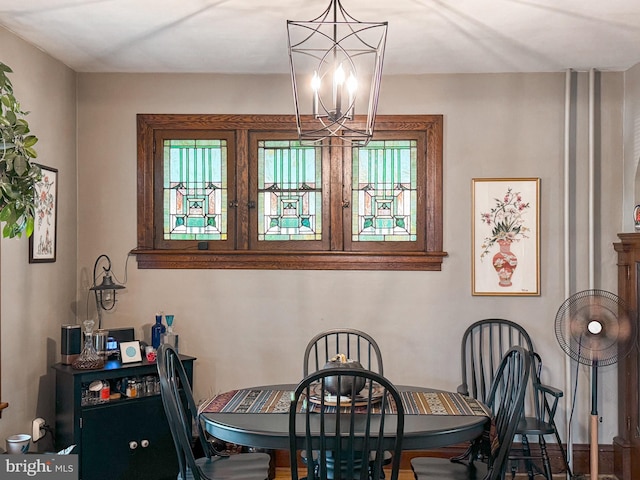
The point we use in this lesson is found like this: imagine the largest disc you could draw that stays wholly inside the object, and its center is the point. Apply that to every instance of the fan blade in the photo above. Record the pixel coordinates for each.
(594, 325)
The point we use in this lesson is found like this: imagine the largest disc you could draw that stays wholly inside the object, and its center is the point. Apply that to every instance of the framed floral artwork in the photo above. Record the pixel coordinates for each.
(42, 244)
(505, 236)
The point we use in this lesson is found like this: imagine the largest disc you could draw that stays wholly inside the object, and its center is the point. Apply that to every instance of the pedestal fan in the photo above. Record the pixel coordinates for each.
(594, 327)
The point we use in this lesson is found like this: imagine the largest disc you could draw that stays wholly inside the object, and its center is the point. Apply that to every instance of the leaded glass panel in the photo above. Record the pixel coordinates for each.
(195, 190)
(289, 191)
(384, 191)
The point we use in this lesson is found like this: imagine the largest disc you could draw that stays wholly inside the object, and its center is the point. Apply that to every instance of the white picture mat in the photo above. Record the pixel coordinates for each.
(130, 352)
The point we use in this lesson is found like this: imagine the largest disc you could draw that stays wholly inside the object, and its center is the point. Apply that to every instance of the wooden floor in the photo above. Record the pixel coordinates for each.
(285, 474)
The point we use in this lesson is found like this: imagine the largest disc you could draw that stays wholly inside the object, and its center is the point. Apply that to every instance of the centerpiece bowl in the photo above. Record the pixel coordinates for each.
(347, 386)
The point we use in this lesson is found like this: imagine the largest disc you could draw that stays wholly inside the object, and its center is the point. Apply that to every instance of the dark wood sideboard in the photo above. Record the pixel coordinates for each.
(626, 446)
(123, 439)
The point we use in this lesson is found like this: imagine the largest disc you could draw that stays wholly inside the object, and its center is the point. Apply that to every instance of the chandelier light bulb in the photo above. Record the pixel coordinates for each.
(338, 76)
(352, 84)
(338, 82)
(315, 86)
(315, 82)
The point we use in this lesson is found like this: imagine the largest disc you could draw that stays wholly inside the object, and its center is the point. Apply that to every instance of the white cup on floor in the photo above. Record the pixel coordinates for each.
(18, 443)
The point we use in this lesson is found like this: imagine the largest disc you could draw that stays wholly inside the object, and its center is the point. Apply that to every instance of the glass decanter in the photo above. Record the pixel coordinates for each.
(89, 358)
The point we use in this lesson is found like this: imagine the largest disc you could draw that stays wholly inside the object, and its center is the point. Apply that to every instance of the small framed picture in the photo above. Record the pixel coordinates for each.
(130, 352)
(42, 243)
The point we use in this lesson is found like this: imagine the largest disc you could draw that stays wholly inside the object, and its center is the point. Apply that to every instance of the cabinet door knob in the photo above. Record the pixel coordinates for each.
(133, 445)
(144, 443)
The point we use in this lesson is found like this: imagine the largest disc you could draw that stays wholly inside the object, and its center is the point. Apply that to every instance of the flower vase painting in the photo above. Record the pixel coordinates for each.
(506, 259)
(42, 244)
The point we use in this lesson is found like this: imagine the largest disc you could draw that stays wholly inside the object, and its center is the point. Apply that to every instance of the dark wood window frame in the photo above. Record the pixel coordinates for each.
(149, 255)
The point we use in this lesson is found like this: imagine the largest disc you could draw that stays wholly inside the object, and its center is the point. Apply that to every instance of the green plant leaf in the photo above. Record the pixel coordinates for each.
(30, 141)
(31, 152)
(6, 101)
(10, 192)
(5, 213)
(9, 155)
(20, 165)
(30, 226)
(11, 116)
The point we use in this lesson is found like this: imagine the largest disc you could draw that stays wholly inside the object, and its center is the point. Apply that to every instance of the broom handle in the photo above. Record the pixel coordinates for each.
(593, 450)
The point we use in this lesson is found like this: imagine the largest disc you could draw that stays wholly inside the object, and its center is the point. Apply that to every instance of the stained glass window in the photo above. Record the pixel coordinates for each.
(195, 190)
(289, 191)
(240, 191)
(384, 191)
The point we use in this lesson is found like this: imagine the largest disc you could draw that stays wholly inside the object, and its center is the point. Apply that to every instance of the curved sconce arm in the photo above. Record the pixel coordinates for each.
(105, 292)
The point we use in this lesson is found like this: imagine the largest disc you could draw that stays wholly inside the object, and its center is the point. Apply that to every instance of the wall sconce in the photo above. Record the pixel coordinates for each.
(335, 59)
(105, 292)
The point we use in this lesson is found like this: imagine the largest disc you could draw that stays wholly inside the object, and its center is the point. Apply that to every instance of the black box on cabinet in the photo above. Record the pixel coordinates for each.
(70, 343)
(122, 334)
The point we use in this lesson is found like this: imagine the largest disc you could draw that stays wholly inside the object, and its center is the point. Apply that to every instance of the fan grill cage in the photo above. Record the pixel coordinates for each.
(601, 307)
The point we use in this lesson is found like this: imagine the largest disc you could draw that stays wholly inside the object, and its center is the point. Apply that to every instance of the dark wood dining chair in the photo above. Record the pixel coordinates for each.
(182, 413)
(343, 431)
(540, 422)
(506, 400)
(484, 343)
(355, 344)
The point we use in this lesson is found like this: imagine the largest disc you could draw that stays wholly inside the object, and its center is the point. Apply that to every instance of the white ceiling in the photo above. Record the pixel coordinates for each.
(249, 36)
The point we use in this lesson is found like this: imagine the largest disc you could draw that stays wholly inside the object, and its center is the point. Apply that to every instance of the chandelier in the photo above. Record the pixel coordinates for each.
(336, 68)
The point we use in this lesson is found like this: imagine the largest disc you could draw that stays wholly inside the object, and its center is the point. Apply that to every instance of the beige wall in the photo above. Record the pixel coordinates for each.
(38, 298)
(250, 327)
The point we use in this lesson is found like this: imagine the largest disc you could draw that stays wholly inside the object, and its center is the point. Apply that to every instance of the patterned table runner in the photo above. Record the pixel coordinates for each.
(278, 401)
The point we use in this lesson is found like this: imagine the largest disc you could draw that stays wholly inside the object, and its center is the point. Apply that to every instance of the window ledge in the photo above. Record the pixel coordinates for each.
(201, 259)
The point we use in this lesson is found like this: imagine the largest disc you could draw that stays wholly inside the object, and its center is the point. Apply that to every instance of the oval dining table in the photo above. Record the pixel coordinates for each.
(269, 428)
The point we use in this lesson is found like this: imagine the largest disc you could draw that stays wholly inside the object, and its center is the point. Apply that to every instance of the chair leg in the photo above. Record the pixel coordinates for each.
(371, 476)
(372, 471)
(514, 468)
(563, 453)
(473, 452)
(464, 456)
(527, 455)
(546, 464)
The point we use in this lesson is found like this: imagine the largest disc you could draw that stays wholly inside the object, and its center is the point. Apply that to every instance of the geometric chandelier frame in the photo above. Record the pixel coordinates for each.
(336, 70)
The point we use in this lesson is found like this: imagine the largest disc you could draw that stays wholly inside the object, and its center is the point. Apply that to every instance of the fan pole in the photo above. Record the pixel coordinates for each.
(594, 327)
(594, 422)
